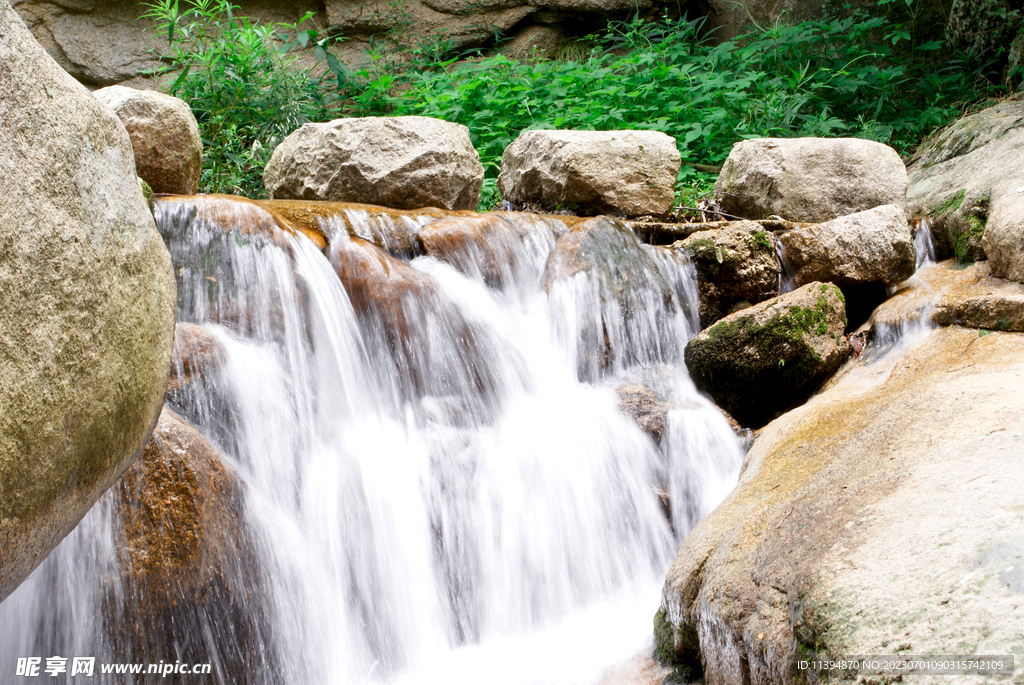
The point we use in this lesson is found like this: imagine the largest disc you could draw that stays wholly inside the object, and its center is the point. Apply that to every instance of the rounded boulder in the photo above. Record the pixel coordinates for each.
(165, 137)
(399, 162)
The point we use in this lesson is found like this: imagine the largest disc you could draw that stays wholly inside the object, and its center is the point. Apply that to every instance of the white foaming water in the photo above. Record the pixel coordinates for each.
(468, 506)
(924, 245)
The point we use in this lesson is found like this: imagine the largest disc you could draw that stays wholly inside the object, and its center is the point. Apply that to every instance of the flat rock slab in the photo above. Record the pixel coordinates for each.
(948, 295)
(884, 516)
(625, 173)
(810, 179)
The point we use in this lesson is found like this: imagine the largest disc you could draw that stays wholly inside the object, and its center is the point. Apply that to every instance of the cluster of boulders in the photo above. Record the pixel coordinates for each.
(412, 162)
(879, 517)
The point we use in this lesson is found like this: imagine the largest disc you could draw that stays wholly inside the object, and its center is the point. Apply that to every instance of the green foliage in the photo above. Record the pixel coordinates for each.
(246, 93)
(856, 76)
(853, 77)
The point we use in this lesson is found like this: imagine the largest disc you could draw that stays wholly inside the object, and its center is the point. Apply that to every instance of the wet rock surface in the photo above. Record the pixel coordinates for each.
(762, 360)
(625, 173)
(810, 179)
(185, 561)
(165, 137)
(401, 162)
(948, 296)
(602, 260)
(882, 515)
(88, 304)
(736, 267)
(865, 247)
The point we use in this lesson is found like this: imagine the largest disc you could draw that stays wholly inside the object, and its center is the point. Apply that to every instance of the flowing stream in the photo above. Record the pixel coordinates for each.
(458, 500)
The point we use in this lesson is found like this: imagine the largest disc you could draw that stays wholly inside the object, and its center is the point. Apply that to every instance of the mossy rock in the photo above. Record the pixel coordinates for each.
(761, 361)
(734, 264)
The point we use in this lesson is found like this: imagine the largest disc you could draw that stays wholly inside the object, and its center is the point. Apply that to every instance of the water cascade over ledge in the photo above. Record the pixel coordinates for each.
(436, 481)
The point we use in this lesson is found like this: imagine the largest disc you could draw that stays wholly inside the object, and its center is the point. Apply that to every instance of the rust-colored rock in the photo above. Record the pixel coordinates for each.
(196, 354)
(184, 556)
(498, 247)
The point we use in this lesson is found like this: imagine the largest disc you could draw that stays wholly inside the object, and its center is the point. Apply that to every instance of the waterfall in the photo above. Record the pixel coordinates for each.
(439, 485)
(924, 245)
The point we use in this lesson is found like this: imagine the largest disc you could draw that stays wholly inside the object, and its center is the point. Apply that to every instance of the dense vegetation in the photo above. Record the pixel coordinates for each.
(856, 76)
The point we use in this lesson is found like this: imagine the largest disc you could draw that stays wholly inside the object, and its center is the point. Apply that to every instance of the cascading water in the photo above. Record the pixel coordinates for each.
(439, 485)
(924, 245)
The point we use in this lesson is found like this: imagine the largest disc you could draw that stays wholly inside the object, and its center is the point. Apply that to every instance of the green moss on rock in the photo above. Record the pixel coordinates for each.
(765, 359)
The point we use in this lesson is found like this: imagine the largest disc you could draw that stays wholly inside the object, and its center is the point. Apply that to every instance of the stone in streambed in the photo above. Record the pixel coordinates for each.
(624, 173)
(736, 266)
(401, 162)
(810, 179)
(185, 556)
(866, 247)
(88, 304)
(763, 360)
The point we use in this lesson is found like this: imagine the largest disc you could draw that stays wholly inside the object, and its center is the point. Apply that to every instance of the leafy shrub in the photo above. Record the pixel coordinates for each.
(824, 78)
(855, 76)
(245, 91)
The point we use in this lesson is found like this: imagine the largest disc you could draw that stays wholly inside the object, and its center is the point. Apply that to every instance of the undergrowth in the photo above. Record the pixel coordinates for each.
(859, 76)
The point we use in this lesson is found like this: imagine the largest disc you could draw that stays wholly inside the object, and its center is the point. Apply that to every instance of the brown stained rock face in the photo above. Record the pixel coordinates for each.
(761, 361)
(865, 247)
(179, 508)
(196, 355)
(185, 556)
(410, 327)
(810, 179)
(497, 247)
(379, 285)
(624, 173)
(969, 297)
(736, 266)
(87, 303)
(641, 404)
(884, 514)
(394, 230)
(165, 137)
(401, 162)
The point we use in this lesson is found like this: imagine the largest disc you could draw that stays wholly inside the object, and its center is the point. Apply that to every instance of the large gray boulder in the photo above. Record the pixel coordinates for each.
(626, 173)
(762, 360)
(165, 137)
(736, 267)
(882, 517)
(866, 247)
(1003, 240)
(400, 162)
(87, 303)
(810, 179)
(959, 178)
